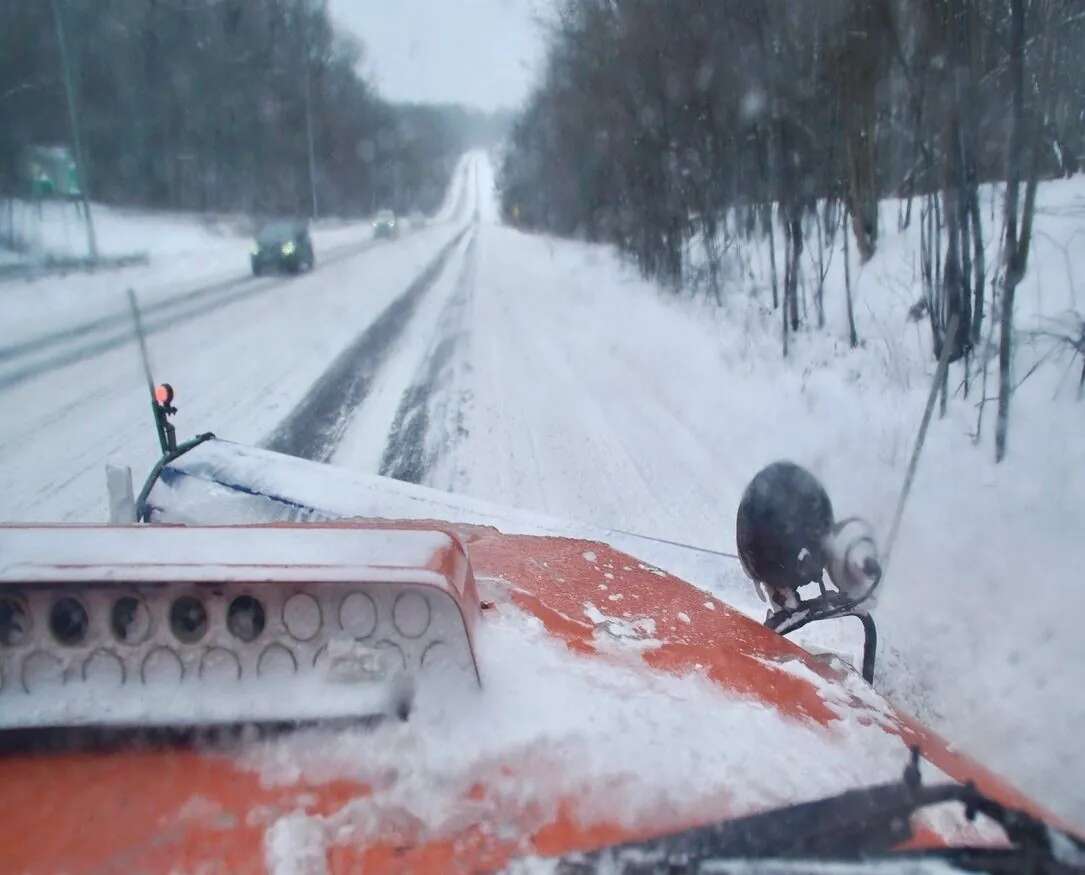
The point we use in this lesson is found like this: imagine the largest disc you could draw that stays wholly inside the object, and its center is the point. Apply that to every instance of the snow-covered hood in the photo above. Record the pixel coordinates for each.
(618, 702)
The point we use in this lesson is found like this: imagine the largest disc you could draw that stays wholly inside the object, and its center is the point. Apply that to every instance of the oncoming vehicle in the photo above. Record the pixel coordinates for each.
(385, 225)
(282, 245)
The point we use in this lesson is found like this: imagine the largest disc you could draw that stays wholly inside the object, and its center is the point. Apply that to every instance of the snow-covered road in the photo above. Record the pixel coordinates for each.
(545, 375)
(240, 352)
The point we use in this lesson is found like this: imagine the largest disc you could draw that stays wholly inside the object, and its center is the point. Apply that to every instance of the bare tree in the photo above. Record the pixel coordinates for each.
(217, 105)
(663, 118)
(1023, 132)
(853, 337)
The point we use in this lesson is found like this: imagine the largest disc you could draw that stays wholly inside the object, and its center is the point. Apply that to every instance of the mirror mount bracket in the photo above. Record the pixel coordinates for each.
(828, 606)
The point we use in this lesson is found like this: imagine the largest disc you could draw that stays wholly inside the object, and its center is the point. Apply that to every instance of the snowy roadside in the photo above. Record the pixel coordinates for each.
(184, 251)
(239, 365)
(45, 304)
(641, 411)
(237, 369)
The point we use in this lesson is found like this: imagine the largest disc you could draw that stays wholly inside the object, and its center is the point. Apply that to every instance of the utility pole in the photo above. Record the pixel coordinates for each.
(80, 167)
(309, 135)
(309, 112)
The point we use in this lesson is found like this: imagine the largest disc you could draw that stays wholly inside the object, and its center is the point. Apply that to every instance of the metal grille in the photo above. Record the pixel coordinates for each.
(183, 652)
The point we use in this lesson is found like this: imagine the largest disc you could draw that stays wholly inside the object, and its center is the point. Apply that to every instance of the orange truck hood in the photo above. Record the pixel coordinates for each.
(618, 703)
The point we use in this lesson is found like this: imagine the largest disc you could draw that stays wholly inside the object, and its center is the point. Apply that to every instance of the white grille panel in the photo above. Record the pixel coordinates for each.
(177, 654)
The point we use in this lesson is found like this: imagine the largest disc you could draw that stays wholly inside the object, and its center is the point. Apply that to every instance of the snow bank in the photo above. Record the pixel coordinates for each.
(595, 396)
(57, 228)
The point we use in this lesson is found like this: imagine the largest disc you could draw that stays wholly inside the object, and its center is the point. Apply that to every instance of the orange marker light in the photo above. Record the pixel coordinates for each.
(163, 394)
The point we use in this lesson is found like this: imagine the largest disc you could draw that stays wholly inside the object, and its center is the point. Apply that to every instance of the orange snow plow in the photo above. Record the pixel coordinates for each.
(456, 768)
(269, 665)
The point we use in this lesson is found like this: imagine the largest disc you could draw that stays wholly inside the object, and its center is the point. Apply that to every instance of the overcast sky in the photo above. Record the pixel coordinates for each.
(478, 52)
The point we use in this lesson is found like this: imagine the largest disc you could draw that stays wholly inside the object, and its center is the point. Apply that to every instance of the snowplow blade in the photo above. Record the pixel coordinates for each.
(221, 482)
(134, 626)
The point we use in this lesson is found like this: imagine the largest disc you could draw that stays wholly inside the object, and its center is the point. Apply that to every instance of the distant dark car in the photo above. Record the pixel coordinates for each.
(283, 245)
(385, 224)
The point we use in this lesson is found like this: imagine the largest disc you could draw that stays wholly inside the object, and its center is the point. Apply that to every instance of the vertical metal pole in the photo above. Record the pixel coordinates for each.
(141, 338)
(309, 134)
(309, 115)
(80, 168)
(397, 183)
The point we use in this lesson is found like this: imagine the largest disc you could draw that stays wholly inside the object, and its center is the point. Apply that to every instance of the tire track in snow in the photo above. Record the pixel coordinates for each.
(453, 208)
(656, 421)
(316, 425)
(114, 320)
(575, 419)
(513, 469)
(406, 456)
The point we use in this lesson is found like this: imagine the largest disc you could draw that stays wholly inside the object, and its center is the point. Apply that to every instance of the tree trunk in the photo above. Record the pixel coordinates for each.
(820, 300)
(943, 392)
(928, 262)
(783, 320)
(1013, 266)
(863, 54)
(1005, 384)
(712, 255)
(772, 261)
(1018, 243)
(951, 272)
(853, 338)
(791, 278)
(979, 263)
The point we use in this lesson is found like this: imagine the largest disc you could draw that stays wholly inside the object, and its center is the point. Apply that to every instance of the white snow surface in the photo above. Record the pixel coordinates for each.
(905, 866)
(631, 746)
(572, 389)
(56, 228)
